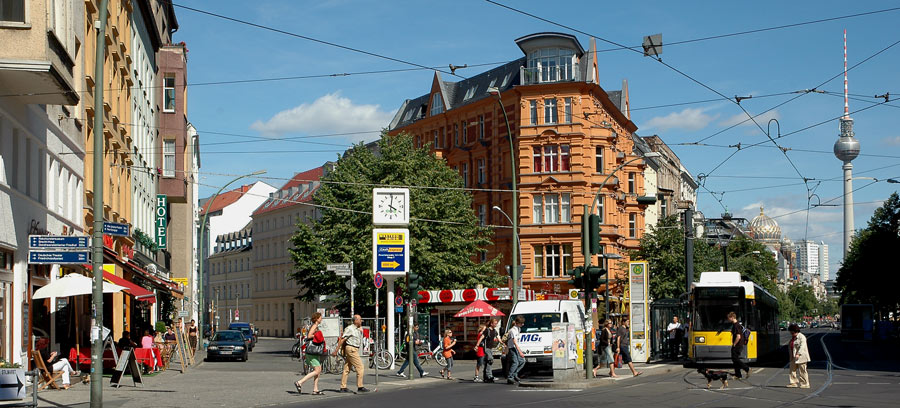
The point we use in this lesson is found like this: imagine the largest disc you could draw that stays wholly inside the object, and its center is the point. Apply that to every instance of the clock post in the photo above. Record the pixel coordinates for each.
(390, 244)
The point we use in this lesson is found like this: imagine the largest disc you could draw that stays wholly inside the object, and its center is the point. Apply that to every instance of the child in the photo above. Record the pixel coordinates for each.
(448, 343)
(479, 351)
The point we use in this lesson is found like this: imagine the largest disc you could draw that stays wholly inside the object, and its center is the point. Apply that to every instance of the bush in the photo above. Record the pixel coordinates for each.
(160, 327)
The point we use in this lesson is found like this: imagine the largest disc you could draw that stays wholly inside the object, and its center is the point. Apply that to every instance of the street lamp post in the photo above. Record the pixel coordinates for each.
(202, 235)
(606, 258)
(514, 232)
(514, 270)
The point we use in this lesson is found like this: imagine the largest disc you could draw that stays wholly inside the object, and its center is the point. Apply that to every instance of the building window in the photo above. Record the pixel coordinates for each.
(550, 153)
(551, 208)
(631, 182)
(169, 93)
(12, 10)
(482, 214)
(552, 261)
(568, 110)
(632, 225)
(481, 127)
(482, 176)
(533, 110)
(565, 208)
(437, 141)
(550, 114)
(663, 208)
(600, 210)
(564, 158)
(537, 209)
(168, 158)
(465, 174)
(598, 159)
(455, 135)
(465, 130)
(483, 256)
(551, 64)
(537, 159)
(443, 139)
(437, 104)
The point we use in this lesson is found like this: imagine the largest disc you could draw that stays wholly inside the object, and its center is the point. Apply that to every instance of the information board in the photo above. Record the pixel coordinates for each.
(638, 279)
(390, 251)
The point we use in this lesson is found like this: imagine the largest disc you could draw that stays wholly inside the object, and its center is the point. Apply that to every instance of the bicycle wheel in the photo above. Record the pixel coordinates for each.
(336, 365)
(439, 358)
(383, 359)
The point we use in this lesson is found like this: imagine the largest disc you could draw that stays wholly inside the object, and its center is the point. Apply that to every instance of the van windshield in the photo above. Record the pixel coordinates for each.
(539, 322)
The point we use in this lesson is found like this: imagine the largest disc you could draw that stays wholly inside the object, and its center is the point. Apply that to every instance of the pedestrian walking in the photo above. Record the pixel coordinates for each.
(315, 349)
(416, 343)
(448, 343)
(675, 331)
(604, 349)
(799, 358)
(623, 346)
(479, 352)
(349, 343)
(192, 335)
(737, 346)
(491, 338)
(516, 356)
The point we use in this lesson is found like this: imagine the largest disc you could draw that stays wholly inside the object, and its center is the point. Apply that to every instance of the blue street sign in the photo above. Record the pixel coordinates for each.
(399, 309)
(58, 257)
(58, 242)
(391, 258)
(390, 251)
(114, 228)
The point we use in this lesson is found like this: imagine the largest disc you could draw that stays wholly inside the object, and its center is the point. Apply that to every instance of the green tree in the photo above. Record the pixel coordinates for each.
(445, 236)
(868, 273)
(663, 247)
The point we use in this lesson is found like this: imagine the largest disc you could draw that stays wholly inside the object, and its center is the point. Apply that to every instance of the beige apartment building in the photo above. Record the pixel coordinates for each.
(231, 278)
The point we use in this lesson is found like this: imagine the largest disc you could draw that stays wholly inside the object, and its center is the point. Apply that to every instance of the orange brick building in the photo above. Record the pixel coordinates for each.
(569, 134)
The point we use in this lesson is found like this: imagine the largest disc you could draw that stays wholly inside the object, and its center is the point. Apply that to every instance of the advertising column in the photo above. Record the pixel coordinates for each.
(637, 282)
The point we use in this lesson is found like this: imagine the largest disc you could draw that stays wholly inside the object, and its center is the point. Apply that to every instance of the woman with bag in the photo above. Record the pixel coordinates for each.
(605, 341)
(315, 349)
(479, 351)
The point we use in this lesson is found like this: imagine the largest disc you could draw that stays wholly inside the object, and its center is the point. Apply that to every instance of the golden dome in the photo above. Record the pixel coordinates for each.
(764, 228)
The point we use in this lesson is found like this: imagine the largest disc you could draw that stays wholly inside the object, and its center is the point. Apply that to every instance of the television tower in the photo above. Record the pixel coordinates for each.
(846, 149)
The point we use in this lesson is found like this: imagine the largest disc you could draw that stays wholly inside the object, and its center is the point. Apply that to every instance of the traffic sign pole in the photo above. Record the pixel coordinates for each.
(352, 308)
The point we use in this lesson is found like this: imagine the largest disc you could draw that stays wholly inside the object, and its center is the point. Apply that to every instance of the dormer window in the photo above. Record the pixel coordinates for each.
(551, 65)
(437, 104)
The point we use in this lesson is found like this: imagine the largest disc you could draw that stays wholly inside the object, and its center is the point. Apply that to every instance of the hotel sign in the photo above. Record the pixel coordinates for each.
(162, 220)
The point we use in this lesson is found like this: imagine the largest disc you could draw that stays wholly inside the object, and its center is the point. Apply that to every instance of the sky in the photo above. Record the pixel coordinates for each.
(328, 113)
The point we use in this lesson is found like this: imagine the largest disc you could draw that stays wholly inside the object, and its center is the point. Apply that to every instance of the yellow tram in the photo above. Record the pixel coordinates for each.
(709, 333)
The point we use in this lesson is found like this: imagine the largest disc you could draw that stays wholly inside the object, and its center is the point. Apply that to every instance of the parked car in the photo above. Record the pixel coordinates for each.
(247, 331)
(782, 326)
(227, 344)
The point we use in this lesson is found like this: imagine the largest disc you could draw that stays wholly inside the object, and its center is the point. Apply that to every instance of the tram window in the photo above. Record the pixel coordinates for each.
(712, 315)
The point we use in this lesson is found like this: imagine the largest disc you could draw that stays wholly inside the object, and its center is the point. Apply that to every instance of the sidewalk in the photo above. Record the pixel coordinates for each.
(624, 374)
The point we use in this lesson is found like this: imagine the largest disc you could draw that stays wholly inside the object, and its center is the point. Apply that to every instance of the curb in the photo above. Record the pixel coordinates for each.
(593, 383)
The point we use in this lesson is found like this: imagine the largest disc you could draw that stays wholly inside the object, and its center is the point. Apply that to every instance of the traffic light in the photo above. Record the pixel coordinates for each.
(596, 276)
(577, 275)
(413, 286)
(594, 233)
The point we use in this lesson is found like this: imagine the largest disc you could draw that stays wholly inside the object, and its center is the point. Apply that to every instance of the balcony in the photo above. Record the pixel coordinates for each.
(544, 75)
(43, 76)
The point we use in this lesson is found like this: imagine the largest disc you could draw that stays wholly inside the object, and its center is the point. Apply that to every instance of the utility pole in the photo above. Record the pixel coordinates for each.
(688, 249)
(97, 235)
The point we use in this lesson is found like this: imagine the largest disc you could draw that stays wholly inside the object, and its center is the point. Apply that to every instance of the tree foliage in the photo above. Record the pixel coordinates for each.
(444, 233)
(663, 247)
(868, 273)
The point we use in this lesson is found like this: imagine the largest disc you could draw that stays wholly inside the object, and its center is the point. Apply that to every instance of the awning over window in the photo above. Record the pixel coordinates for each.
(138, 292)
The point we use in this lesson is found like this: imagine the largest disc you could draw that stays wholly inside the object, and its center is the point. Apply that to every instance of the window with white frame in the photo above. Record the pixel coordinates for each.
(465, 174)
(551, 208)
(437, 104)
(550, 156)
(538, 209)
(598, 159)
(168, 158)
(550, 113)
(533, 111)
(565, 208)
(632, 225)
(12, 10)
(552, 261)
(480, 127)
(564, 157)
(482, 175)
(482, 214)
(169, 93)
(568, 110)
(631, 183)
(551, 64)
(437, 141)
(600, 211)
(455, 134)
(465, 132)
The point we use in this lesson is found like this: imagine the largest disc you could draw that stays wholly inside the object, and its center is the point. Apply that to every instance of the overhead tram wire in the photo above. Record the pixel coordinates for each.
(308, 38)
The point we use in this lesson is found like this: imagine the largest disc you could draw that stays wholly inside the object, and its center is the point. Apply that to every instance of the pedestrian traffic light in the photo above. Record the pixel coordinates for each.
(594, 233)
(577, 275)
(413, 286)
(596, 276)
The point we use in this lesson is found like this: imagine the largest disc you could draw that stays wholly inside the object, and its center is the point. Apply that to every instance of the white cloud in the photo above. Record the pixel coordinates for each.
(891, 141)
(331, 113)
(688, 119)
(741, 117)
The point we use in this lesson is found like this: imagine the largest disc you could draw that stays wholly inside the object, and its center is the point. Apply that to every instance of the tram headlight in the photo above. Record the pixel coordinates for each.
(700, 339)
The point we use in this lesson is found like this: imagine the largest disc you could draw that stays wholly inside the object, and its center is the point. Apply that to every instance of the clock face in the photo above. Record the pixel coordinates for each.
(391, 206)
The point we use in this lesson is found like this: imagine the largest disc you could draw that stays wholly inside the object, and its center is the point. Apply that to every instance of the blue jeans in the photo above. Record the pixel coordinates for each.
(516, 363)
(415, 362)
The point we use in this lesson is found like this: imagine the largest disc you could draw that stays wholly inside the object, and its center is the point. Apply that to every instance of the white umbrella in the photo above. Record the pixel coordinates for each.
(73, 284)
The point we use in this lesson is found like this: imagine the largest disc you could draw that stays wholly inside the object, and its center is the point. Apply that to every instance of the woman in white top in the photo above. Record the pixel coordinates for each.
(799, 357)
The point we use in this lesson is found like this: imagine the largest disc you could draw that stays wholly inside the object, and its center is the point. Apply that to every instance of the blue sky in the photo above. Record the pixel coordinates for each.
(476, 32)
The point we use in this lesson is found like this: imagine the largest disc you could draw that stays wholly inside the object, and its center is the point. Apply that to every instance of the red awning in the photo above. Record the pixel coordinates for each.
(138, 292)
(479, 308)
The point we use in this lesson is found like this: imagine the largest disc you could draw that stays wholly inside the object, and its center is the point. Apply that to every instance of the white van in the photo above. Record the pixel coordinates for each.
(536, 336)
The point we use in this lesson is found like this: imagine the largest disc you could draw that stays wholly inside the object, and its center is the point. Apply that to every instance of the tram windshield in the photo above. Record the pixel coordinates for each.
(712, 308)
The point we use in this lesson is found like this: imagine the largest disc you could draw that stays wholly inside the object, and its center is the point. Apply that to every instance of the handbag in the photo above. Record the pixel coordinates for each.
(315, 349)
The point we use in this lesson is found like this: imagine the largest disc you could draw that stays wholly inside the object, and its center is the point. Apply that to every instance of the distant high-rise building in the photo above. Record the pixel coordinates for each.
(807, 257)
(824, 270)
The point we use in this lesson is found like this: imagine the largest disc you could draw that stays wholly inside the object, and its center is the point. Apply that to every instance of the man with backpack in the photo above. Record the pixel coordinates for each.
(490, 342)
(739, 338)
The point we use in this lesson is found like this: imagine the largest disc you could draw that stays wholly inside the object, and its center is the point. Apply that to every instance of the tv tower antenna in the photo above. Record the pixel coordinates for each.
(846, 149)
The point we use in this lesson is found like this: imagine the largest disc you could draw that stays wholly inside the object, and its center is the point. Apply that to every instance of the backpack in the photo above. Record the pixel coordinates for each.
(604, 338)
(745, 335)
(490, 338)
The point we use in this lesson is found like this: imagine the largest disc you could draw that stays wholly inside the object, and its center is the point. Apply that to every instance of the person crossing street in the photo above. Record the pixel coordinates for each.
(349, 344)
(416, 343)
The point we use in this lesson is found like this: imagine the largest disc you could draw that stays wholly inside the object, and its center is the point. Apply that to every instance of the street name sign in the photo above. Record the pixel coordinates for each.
(12, 384)
(390, 251)
(58, 257)
(339, 269)
(115, 228)
(502, 292)
(183, 313)
(58, 242)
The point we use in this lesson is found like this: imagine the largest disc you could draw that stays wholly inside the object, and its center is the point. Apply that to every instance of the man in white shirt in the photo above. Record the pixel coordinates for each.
(676, 332)
(349, 343)
(516, 356)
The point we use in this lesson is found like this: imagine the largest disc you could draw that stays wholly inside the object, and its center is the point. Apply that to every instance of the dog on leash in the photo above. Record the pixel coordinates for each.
(712, 375)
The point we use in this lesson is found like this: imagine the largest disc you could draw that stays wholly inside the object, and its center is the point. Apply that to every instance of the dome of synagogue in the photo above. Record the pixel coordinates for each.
(765, 229)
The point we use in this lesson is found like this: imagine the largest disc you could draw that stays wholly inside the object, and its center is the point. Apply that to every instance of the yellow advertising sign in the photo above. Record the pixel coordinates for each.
(183, 281)
(391, 238)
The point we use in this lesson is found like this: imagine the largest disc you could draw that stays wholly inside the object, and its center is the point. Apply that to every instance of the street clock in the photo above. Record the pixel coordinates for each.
(390, 206)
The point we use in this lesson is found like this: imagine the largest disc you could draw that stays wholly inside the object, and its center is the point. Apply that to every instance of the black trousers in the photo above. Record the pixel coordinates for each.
(738, 363)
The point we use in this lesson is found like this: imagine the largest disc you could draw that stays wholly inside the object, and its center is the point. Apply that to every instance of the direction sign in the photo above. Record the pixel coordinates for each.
(58, 242)
(390, 250)
(398, 301)
(379, 280)
(58, 257)
(115, 228)
(183, 313)
(12, 384)
(501, 292)
(339, 269)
